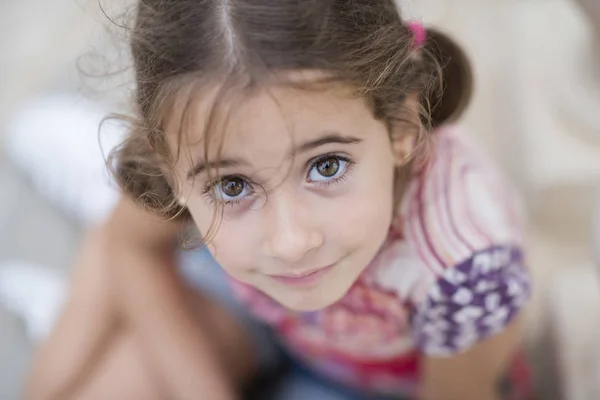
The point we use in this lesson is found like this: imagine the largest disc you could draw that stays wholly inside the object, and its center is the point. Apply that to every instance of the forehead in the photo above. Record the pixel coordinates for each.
(267, 119)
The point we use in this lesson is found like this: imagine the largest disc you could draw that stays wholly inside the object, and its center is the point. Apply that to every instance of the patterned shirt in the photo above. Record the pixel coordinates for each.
(450, 274)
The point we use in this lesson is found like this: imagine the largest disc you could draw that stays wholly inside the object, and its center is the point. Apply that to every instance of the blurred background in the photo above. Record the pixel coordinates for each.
(536, 109)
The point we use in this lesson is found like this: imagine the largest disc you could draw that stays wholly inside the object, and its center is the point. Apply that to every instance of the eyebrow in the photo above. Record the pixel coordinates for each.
(328, 138)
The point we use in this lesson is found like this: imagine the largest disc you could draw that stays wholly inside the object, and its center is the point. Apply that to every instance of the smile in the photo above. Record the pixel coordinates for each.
(307, 278)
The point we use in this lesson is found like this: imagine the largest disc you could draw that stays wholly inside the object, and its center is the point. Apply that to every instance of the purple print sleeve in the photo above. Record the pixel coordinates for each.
(472, 301)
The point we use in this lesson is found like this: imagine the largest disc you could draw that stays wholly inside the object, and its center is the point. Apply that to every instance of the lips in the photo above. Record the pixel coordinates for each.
(307, 278)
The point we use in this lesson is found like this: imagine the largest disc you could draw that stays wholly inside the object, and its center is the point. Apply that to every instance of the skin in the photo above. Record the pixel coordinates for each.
(290, 218)
(159, 341)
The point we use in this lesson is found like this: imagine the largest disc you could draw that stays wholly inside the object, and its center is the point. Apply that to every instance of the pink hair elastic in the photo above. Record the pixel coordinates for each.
(419, 33)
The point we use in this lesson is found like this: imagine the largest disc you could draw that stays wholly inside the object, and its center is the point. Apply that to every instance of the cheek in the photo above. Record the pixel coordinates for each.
(233, 248)
(230, 242)
(363, 215)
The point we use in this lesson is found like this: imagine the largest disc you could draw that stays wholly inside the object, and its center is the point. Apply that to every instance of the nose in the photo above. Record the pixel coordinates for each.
(291, 232)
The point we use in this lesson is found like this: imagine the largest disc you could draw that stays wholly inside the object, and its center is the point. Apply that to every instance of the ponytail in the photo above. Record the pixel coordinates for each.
(450, 98)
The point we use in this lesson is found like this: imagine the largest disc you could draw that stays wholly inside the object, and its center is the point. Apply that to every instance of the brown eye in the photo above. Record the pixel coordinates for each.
(232, 187)
(328, 167)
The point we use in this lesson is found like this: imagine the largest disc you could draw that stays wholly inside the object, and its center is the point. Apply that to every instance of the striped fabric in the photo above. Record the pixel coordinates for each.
(459, 204)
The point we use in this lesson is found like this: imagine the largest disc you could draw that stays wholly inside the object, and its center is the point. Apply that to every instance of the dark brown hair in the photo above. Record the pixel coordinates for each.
(178, 45)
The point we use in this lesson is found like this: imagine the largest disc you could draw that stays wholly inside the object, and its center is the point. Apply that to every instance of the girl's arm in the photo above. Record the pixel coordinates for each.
(192, 358)
(475, 374)
(476, 281)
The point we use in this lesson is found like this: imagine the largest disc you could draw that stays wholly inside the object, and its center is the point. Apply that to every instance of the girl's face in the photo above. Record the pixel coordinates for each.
(305, 185)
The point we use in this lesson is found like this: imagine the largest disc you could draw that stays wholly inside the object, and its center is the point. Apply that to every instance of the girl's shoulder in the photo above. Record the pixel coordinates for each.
(455, 253)
(460, 263)
(459, 203)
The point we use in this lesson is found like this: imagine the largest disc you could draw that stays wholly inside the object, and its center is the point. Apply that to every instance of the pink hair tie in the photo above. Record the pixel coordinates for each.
(419, 33)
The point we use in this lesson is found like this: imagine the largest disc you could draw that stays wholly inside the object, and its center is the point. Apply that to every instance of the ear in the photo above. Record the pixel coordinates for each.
(404, 135)
(183, 198)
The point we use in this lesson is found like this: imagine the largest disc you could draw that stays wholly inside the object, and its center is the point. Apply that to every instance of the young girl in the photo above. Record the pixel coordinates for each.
(310, 145)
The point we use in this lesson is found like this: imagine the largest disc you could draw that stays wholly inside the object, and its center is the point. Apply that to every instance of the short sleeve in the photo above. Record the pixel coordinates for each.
(472, 301)
(465, 222)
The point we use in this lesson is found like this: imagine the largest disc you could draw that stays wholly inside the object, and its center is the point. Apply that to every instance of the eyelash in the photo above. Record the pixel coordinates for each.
(208, 191)
(350, 164)
(209, 188)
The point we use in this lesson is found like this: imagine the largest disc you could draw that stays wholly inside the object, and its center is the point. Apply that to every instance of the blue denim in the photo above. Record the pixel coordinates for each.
(304, 383)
